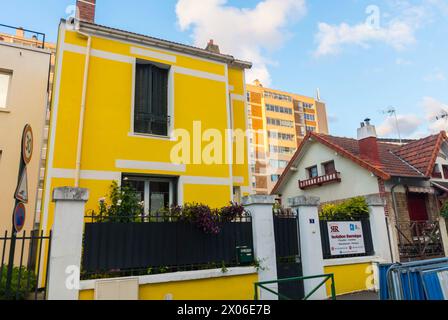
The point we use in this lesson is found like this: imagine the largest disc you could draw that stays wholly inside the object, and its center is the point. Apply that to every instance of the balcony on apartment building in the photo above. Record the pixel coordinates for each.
(320, 180)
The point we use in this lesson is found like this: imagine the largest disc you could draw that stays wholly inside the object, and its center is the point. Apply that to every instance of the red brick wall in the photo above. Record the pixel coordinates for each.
(86, 10)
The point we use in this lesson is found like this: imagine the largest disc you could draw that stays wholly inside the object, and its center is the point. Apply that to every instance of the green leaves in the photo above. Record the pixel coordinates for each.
(444, 210)
(18, 290)
(350, 210)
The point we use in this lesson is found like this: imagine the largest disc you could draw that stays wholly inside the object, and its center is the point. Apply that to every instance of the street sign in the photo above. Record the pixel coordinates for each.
(27, 144)
(22, 188)
(19, 217)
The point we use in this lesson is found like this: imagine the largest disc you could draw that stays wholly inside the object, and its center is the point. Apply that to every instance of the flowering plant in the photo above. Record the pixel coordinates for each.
(205, 218)
(124, 204)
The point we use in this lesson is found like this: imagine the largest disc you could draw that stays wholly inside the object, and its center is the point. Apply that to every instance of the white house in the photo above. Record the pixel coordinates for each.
(411, 179)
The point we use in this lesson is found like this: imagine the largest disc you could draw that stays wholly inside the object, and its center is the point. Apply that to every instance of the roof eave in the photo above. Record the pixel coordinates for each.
(147, 40)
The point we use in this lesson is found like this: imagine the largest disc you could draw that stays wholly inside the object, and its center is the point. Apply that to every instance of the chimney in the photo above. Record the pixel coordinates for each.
(367, 142)
(85, 10)
(20, 33)
(212, 47)
(257, 83)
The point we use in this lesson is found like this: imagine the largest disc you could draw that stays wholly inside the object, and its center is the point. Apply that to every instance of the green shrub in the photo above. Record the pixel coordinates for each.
(350, 210)
(124, 204)
(16, 291)
(444, 210)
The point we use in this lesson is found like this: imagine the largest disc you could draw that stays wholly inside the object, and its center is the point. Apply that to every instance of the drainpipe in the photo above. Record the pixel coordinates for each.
(83, 108)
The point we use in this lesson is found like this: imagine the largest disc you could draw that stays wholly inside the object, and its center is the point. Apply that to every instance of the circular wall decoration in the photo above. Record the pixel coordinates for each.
(27, 144)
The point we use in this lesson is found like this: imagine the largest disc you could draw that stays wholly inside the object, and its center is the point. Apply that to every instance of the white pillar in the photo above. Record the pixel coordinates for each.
(310, 243)
(378, 226)
(66, 243)
(444, 234)
(260, 208)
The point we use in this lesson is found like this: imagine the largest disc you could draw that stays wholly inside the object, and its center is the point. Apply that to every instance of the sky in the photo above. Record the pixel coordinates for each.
(365, 56)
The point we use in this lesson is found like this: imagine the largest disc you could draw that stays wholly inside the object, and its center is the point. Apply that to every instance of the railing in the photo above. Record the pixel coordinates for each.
(262, 285)
(154, 244)
(20, 271)
(419, 240)
(151, 124)
(30, 41)
(321, 180)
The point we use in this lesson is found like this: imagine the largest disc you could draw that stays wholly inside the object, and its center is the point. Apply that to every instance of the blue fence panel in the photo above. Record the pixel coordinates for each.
(384, 292)
(431, 283)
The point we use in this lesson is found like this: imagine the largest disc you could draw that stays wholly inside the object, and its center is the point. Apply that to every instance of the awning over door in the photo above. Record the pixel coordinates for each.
(440, 185)
(429, 190)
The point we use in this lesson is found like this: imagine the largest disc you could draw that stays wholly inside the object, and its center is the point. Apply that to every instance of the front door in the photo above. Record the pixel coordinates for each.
(417, 207)
(289, 264)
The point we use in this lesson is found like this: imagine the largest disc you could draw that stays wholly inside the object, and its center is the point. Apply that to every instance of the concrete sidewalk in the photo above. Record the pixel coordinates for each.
(365, 295)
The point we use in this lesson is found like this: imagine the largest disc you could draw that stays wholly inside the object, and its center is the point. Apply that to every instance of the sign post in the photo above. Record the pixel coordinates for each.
(21, 197)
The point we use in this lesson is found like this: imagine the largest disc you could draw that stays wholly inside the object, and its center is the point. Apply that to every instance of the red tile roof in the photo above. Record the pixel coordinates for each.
(422, 153)
(414, 159)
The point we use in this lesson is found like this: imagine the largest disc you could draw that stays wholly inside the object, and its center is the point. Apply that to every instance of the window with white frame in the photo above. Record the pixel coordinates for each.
(5, 80)
(155, 193)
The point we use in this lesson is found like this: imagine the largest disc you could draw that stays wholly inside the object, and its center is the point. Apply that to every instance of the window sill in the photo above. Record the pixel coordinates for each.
(5, 110)
(151, 136)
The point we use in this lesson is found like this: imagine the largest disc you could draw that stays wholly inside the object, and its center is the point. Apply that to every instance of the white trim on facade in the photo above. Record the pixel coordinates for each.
(153, 54)
(149, 165)
(199, 74)
(51, 140)
(178, 276)
(238, 179)
(86, 174)
(231, 127)
(162, 49)
(237, 97)
(249, 160)
(209, 181)
(98, 53)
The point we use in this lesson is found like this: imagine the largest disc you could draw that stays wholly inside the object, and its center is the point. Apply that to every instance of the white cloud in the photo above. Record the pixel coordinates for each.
(433, 110)
(417, 126)
(246, 33)
(396, 28)
(403, 62)
(408, 125)
(435, 76)
(331, 38)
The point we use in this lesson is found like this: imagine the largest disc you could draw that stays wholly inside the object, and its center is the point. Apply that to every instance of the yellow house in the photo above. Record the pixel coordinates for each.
(123, 107)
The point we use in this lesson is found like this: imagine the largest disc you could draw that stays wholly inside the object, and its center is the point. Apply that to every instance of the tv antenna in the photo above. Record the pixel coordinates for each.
(442, 116)
(391, 111)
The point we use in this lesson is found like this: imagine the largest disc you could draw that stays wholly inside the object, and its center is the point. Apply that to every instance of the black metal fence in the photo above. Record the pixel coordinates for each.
(367, 236)
(123, 246)
(22, 280)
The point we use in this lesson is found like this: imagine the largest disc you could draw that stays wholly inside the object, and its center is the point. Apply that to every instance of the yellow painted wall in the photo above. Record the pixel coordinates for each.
(108, 119)
(350, 278)
(225, 288)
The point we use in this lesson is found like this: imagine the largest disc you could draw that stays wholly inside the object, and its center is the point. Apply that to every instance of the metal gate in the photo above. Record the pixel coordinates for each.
(21, 274)
(289, 260)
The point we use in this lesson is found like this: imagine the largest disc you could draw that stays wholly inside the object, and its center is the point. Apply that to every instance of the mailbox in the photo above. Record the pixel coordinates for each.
(244, 255)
